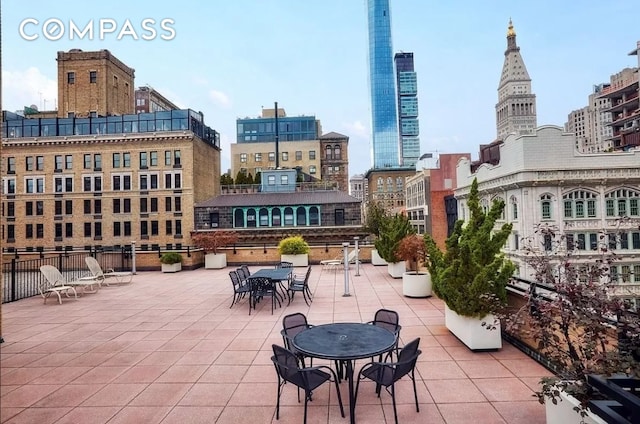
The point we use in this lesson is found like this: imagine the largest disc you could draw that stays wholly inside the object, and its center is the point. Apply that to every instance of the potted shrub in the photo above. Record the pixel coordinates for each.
(577, 323)
(294, 249)
(171, 262)
(375, 215)
(392, 230)
(415, 283)
(472, 274)
(210, 242)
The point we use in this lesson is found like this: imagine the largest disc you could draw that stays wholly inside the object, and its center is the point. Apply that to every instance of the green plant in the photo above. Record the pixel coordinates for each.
(412, 249)
(472, 275)
(392, 230)
(211, 241)
(375, 215)
(169, 258)
(578, 329)
(293, 245)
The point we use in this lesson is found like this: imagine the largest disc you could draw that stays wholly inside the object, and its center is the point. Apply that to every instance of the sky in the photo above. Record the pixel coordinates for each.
(229, 59)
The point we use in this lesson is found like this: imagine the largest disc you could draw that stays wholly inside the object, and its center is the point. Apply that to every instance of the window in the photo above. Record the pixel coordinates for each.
(87, 207)
(336, 152)
(92, 183)
(276, 217)
(298, 155)
(68, 229)
(97, 230)
(176, 158)
(271, 180)
(87, 161)
(11, 209)
(579, 204)
(339, 216)
(622, 202)
(126, 160)
(39, 163)
(58, 163)
(117, 230)
(144, 229)
(58, 231)
(28, 231)
(11, 165)
(121, 182)
(263, 215)
(177, 202)
(63, 184)
(11, 232)
(312, 154)
(272, 156)
(178, 226)
(243, 157)
(514, 208)
(314, 216)
(285, 156)
(154, 228)
(168, 227)
(68, 162)
(143, 160)
(116, 160)
(173, 179)
(68, 207)
(28, 208)
(9, 185)
(167, 157)
(153, 158)
(93, 77)
(288, 216)
(34, 185)
(71, 77)
(284, 179)
(545, 204)
(312, 169)
(258, 157)
(116, 205)
(29, 163)
(328, 153)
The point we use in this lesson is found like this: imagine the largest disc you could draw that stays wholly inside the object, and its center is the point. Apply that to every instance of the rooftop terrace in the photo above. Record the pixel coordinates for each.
(167, 349)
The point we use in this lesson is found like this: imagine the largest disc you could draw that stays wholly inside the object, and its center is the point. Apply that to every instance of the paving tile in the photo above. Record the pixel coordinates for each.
(161, 394)
(454, 391)
(38, 415)
(193, 415)
(115, 394)
(140, 414)
(465, 413)
(207, 394)
(90, 414)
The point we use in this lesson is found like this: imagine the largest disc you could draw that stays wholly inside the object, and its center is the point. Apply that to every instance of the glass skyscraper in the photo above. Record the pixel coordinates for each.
(407, 83)
(384, 117)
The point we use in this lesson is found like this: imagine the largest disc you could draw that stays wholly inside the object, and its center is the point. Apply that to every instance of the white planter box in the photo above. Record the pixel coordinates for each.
(296, 260)
(416, 285)
(396, 269)
(563, 412)
(215, 260)
(376, 259)
(471, 332)
(172, 267)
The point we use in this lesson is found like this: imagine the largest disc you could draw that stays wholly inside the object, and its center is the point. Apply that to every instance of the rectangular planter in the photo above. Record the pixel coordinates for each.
(172, 267)
(215, 260)
(396, 269)
(563, 413)
(471, 332)
(296, 260)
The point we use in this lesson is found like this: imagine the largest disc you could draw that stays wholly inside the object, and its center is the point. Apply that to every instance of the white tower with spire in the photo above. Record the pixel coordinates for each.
(516, 107)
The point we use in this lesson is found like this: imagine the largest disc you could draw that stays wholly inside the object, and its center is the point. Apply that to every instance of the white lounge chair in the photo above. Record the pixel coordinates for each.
(97, 274)
(335, 263)
(55, 280)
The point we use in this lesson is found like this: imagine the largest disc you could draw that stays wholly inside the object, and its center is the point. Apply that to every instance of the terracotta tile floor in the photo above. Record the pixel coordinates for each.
(168, 349)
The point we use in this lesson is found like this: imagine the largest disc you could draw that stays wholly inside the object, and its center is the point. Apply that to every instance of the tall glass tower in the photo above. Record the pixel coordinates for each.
(407, 83)
(384, 117)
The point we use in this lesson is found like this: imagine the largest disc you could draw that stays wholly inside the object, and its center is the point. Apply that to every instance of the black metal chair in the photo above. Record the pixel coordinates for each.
(300, 286)
(307, 379)
(293, 324)
(386, 318)
(284, 265)
(260, 288)
(244, 272)
(239, 288)
(387, 373)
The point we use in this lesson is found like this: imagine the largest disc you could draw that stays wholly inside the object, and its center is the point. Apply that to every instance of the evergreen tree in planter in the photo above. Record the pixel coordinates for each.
(392, 231)
(472, 274)
(375, 216)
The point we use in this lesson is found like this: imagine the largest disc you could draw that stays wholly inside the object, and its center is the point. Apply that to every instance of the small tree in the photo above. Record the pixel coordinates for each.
(573, 326)
(258, 178)
(293, 245)
(225, 179)
(412, 249)
(472, 275)
(392, 231)
(375, 216)
(211, 241)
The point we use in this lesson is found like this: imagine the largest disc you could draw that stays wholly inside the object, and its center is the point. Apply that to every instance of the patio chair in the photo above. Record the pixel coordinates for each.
(55, 278)
(300, 286)
(293, 324)
(123, 277)
(240, 289)
(307, 379)
(284, 265)
(387, 373)
(244, 272)
(335, 263)
(390, 320)
(260, 288)
(48, 286)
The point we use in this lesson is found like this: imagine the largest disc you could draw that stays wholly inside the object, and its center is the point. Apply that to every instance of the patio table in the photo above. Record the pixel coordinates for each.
(277, 276)
(345, 342)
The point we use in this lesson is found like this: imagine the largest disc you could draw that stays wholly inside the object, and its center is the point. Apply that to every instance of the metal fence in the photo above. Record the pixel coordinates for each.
(21, 276)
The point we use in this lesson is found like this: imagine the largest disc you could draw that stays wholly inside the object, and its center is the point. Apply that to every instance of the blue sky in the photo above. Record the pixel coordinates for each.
(230, 58)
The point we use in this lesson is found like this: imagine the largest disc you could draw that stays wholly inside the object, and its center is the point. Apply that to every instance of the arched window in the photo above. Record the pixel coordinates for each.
(314, 216)
(514, 208)
(238, 218)
(301, 216)
(251, 217)
(327, 152)
(276, 217)
(545, 206)
(288, 216)
(500, 199)
(336, 152)
(380, 184)
(264, 217)
(622, 202)
(484, 204)
(579, 204)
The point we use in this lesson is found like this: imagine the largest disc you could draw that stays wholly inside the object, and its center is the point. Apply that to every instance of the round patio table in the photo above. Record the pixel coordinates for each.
(345, 342)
